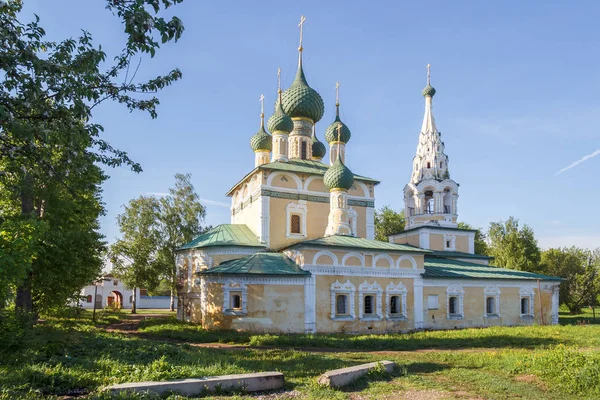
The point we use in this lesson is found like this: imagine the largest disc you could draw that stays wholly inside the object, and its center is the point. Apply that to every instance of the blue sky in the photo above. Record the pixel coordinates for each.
(516, 84)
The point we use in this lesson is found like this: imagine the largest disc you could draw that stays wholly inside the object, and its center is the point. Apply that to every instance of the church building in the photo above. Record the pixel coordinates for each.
(300, 257)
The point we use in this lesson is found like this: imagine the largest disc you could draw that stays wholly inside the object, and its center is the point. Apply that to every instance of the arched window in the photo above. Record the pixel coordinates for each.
(490, 305)
(430, 206)
(368, 305)
(452, 302)
(441, 165)
(88, 299)
(395, 305)
(295, 224)
(236, 301)
(428, 165)
(341, 304)
(524, 305)
(303, 150)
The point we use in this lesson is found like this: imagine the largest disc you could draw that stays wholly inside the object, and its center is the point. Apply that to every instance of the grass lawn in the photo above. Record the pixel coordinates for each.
(69, 356)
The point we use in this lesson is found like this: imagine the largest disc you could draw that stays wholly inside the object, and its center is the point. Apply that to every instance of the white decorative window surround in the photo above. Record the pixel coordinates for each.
(346, 290)
(353, 216)
(526, 307)
(432, 302)
(450, 242)
(455, 294)
(399, 292)
(491, 302)
(300, 210)
(370, 289)
(232, 304)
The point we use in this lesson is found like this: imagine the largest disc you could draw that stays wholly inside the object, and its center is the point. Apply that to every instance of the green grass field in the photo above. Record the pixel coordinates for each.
(68, 355)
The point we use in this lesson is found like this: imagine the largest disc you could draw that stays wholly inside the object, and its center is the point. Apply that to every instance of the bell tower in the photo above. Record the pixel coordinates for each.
(430, 198)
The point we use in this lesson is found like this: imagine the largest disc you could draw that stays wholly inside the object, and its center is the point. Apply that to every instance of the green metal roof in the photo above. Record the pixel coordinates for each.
(359, 243)
(309, 167)
(459, 254)
(225, 235)
(446, 268)
(258, 264)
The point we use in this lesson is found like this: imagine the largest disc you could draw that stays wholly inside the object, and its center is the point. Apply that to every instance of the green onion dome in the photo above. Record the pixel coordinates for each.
(428, 91)
(300, 100)
(261, 141)
(318, 148)
(331, 133)
(338, 176)
(280, 121)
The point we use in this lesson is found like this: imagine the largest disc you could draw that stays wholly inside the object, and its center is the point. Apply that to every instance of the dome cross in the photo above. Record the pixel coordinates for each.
(428, 74)
(301, 24)
(262, 109)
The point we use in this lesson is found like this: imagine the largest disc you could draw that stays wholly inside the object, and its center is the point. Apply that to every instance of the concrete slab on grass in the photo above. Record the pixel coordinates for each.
(189, 387)
(345, 376)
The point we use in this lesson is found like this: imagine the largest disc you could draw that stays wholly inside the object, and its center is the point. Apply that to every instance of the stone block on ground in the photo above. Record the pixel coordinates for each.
(189, 387)
(345, 376)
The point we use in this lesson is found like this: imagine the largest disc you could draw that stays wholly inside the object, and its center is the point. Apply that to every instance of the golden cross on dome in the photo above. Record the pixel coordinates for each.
(302, 19)
(337, 93)
(428, 73)
(262, 106)
(278, 80)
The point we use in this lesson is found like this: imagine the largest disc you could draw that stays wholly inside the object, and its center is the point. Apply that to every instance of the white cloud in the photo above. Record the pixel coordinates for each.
(215, 203)
(582, 159)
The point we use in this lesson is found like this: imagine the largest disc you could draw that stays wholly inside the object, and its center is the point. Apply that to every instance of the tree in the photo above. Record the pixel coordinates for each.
(50, 151)
(514, 247)
(135, 256)
(388, 222)
(481, 246)
(181, 215)
(579, 269)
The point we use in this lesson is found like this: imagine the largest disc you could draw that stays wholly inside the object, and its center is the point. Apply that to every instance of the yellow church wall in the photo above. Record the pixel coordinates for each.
(369, 255)
(317, 185)
(249, 215)
(325, 324)
(474, 309)
(436, 242)
(462, 244)
(285, 181)
(270, 308)
(413, 240)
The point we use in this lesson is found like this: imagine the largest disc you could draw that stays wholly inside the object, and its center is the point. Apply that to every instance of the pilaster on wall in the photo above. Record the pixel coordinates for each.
(310, 308)
(263, 229)
(370, 223)
(418, 302)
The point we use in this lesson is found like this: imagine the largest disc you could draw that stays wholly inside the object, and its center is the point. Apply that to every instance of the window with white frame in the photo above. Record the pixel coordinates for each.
(432, 302)
(369, 298)
(526, 304)
(235, 298)
(449, 242)
(492, 302)
(296, 219)
(454, 302)
(342, 301)
(396, 301)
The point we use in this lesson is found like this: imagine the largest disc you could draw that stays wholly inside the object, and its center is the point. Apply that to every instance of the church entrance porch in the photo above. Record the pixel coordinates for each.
(115, 299)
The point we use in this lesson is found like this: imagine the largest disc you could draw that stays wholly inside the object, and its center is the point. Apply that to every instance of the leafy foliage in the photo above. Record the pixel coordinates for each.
(181, 215)
(514, 247)
(50, 151)
(481, 246)
(579, 268)
(135, 256)
(388, 222)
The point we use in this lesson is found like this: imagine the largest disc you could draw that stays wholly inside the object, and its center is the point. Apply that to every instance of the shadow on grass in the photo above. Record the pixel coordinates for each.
(399, 371)
(520, 337)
